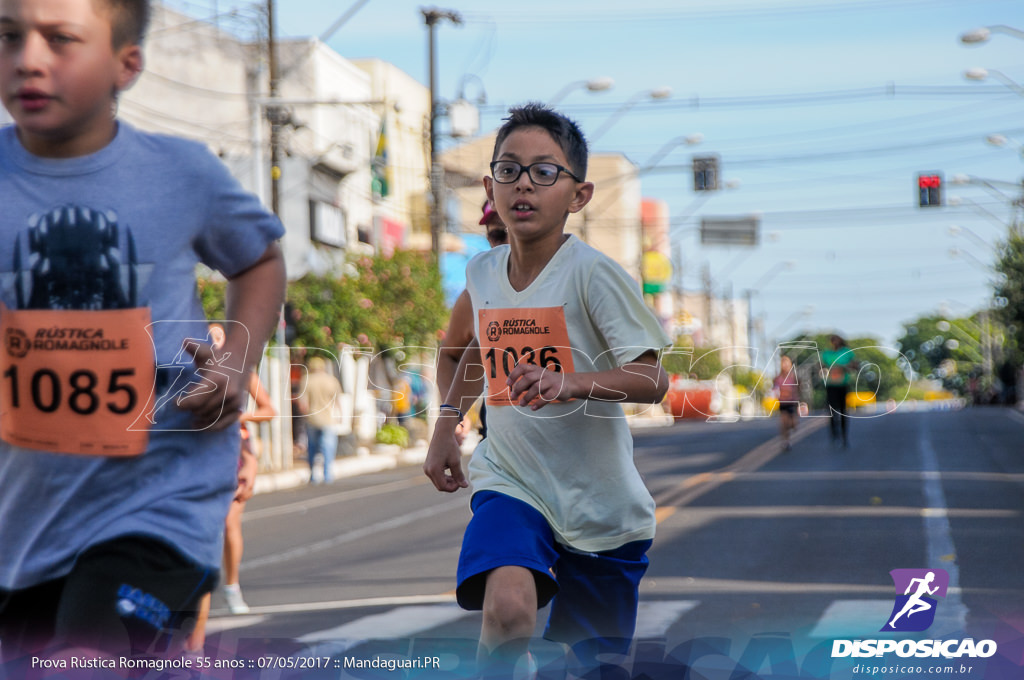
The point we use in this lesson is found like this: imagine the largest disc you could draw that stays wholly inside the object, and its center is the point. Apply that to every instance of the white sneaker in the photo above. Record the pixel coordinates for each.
(233, 594)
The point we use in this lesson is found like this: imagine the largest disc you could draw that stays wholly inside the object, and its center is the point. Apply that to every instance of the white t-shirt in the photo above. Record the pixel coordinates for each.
(573, 462)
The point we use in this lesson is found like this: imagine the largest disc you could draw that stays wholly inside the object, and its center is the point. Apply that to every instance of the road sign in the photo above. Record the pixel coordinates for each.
(730, 231)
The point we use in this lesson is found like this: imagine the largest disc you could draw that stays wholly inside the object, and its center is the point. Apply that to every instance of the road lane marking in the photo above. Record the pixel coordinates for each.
(697, 485)
(852, 618)
(400, 622)
(355, 534)
(780, 511)
(951, 617)
(663, 513)
(340, 497)
(654, 618)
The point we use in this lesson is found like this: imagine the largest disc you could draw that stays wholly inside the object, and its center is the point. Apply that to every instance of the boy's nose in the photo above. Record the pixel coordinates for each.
(32, 56)
(524, 181)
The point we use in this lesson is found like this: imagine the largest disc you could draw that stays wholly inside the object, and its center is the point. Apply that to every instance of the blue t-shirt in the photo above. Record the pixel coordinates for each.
(174, 205)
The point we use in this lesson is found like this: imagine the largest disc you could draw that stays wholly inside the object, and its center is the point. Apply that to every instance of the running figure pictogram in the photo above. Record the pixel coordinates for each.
(916, 604)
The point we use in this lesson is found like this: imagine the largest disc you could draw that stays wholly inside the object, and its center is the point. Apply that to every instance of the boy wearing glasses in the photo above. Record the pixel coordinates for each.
(560, 513)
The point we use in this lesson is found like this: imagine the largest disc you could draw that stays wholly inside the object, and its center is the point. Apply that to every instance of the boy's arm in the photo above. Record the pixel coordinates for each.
(444, 452)
(459, 335)
(642, 381)
(253, 298)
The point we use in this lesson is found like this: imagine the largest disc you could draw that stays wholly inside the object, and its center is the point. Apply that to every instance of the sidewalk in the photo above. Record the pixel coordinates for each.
(383, 457)
(389, 456)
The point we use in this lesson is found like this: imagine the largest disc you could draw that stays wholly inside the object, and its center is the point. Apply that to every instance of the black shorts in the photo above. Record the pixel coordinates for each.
(789, 407)
(131, 595)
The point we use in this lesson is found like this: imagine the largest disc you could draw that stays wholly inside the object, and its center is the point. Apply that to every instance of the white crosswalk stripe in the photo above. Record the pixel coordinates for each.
(839, 619)
(654, 618)
(394, 623)
(853, 618)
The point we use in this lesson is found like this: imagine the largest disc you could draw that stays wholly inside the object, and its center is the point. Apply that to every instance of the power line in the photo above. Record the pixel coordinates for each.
(696, 102)
(661, 15)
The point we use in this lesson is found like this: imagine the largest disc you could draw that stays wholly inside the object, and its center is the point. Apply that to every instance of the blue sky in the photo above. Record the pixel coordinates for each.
(832, 177)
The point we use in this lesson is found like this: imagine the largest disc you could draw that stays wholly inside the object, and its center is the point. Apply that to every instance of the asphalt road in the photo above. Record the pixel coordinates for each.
(756, 546)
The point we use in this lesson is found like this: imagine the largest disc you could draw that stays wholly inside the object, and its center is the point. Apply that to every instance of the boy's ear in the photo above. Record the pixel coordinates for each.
(489, 188)
(130, 63)
(584, 192)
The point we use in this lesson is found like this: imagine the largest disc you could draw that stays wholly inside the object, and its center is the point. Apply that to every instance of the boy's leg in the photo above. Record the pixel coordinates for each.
(27, 620)
(131, 594)
(504, 569)
(595, 609)
(509, 617)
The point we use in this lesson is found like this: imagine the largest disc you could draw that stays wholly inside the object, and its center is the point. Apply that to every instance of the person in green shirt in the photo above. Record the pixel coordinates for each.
(838, 363)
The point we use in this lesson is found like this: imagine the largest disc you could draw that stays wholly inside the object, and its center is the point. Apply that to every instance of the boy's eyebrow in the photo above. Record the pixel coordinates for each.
(543, 158)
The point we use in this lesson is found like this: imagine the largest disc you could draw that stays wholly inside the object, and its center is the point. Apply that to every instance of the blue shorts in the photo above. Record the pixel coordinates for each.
(593, 596)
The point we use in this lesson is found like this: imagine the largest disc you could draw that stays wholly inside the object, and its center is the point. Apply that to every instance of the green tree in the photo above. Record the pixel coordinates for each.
(686, 359)
(943, 348)
(377, 302)
(879, 372)
(1009, 293)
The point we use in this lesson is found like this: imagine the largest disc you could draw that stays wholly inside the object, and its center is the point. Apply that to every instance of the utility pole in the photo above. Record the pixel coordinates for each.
(431, 17)
(274, 113)
(708, 316)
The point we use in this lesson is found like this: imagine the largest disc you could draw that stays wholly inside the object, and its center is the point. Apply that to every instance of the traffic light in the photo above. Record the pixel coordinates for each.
(929, 189)
(705, 173)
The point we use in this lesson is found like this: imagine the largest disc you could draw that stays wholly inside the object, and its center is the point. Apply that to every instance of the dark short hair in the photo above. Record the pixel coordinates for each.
(563, 130)
(129, 20)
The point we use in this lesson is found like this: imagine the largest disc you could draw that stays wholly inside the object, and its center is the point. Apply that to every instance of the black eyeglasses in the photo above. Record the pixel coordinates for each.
(541, 174)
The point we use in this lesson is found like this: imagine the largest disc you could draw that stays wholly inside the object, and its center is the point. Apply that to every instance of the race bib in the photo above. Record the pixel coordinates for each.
(75, 381)
(534, 335)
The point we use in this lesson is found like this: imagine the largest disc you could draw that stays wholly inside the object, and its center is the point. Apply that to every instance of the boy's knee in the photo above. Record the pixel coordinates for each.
(510, 617)
(510, 604)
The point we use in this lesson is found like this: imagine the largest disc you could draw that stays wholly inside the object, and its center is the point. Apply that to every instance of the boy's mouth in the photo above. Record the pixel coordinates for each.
(522, 209)
(33, 100)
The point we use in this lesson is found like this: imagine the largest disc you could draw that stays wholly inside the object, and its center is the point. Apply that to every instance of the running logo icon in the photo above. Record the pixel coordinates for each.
(915, 605)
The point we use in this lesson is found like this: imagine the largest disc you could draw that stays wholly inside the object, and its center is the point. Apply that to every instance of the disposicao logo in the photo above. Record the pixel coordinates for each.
(913, 611)
(915, 606)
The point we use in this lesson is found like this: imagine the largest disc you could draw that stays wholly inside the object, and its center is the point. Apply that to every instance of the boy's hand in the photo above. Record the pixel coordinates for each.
(218, 402)
(444, 454)
(535, 387)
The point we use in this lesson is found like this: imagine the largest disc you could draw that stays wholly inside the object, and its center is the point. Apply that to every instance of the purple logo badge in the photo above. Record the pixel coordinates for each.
(916, 590)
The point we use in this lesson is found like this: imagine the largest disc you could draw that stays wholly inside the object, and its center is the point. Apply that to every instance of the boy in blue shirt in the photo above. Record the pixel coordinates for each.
(560, 513)
(116, 470)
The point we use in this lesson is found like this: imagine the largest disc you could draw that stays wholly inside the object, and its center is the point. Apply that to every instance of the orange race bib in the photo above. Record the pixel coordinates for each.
(534, 335)
(75, 381)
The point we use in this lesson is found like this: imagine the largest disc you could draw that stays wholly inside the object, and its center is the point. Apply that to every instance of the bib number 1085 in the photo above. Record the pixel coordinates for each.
(545, 357)
(82, 390)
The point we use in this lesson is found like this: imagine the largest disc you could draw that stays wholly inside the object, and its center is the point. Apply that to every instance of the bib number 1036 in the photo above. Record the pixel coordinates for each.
(545, 357)
(508, 337)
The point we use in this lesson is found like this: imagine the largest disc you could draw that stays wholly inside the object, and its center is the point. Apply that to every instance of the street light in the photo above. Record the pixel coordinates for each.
(969, 257)
(778, 268)
(956, 230)
(805, 311)
(657, 156)
(655, 94)
(957, 201)
(1002, 140)
(981, 35)
(980, 74)
(599, 84)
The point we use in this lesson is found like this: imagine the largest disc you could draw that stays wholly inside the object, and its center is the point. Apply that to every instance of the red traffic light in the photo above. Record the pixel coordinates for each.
(929, 181)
